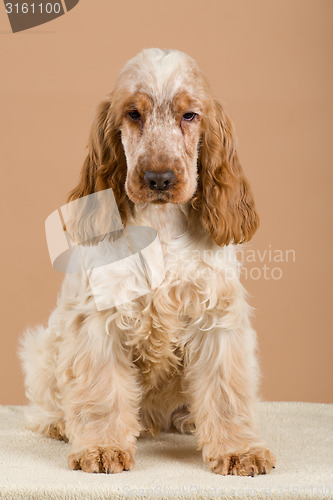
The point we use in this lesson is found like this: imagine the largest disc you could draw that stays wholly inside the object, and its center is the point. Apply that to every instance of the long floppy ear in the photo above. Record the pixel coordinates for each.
(224, 196)
(105, 165)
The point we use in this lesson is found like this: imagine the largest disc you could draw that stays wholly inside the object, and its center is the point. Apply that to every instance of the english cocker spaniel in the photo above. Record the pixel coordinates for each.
(182, 356)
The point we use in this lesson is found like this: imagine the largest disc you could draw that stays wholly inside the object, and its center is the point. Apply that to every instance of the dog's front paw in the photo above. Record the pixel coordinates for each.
(101, 459)
(249, 463)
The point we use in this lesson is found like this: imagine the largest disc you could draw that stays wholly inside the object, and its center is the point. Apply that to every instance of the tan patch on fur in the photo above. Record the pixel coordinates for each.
(79, 319)
(101, 459)
(250, 463)
(139, 101)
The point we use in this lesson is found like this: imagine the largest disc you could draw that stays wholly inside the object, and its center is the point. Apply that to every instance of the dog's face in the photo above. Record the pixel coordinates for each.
(161, 125)
(160, 141)
(161, 137)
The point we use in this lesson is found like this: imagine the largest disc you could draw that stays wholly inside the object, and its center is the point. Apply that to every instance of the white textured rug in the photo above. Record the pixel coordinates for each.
(299, 434)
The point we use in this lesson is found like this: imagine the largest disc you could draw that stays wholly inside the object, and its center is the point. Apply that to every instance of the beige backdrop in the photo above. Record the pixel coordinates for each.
(270, 64)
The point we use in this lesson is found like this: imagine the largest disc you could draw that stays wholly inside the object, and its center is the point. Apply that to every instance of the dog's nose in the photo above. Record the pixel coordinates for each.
(159, 181)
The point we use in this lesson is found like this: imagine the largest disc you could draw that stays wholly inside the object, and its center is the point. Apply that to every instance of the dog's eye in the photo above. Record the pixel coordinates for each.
(188, 117)
(134, 115)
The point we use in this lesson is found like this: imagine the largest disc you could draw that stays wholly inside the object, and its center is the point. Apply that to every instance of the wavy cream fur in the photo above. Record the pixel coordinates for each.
(182, 356)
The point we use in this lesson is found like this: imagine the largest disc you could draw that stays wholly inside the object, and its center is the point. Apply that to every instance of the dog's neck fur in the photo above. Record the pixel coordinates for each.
(169, 220)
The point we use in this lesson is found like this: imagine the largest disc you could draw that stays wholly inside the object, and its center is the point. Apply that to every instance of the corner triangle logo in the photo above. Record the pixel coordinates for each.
(27, 14)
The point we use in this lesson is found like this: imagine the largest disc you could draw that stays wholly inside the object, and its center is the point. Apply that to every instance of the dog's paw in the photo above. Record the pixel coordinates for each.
(101, 459)
(56, 431)
(249, 463)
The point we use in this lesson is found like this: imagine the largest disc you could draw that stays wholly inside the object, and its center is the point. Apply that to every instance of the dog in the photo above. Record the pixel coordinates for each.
(183, 356)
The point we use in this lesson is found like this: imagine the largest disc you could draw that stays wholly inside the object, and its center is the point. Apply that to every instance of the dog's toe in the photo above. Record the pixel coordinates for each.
(250, 463)
(101, 459)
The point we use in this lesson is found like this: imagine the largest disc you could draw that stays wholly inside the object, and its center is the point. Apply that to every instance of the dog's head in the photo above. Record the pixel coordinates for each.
(161, 137)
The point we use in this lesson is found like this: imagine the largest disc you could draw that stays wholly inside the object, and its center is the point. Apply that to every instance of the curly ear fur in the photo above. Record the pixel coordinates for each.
(224, 196)
(105, 165)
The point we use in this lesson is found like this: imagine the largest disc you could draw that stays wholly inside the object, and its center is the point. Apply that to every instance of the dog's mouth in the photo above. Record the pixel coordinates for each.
(159, 202)
(160, 197)
(177, 192)
(156, 198)
(174, 196)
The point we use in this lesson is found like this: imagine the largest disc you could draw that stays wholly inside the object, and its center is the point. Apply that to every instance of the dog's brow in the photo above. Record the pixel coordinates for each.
(140, 99)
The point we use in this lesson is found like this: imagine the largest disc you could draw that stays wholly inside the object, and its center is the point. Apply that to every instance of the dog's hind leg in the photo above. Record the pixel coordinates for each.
(38, 351)
(182, 421)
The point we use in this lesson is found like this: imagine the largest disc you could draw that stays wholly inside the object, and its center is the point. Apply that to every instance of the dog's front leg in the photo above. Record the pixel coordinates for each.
(102, 402)
(221, 377)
